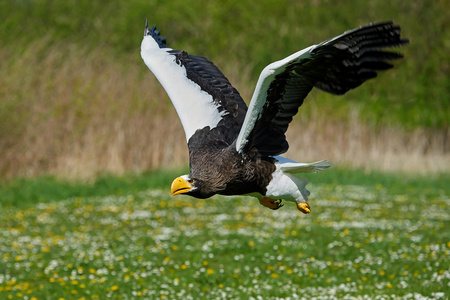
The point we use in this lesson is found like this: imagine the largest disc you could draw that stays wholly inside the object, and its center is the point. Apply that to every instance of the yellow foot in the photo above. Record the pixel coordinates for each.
(304, 207)
(271, 203)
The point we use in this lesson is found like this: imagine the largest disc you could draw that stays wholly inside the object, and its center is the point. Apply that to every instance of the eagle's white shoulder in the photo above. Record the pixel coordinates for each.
(195, 107)
(259, 97)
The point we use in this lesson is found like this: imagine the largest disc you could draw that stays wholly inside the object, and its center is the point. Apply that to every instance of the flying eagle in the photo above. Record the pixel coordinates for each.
(234, 150)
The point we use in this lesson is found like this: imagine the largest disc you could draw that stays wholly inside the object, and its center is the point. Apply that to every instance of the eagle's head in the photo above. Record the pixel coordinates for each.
(191, 186)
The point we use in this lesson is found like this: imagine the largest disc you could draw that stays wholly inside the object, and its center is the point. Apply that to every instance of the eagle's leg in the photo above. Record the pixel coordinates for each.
(271, 203)
(304, 207)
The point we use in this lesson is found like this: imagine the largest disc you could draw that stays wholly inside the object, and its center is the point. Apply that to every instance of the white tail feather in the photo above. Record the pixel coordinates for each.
(293, 167)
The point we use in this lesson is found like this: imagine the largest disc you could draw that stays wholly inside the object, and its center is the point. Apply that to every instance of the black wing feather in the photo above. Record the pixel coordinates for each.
(211, 80)
(207, 78)
(335, 66)
(161, 40)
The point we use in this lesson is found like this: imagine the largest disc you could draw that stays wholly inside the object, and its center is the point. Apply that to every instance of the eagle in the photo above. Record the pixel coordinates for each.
(235, 149)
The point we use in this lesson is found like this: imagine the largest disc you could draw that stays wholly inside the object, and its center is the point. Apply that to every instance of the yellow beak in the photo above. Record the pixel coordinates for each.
(180, 186)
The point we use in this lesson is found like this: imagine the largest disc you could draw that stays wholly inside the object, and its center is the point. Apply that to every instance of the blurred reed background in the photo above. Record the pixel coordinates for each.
(77, 101)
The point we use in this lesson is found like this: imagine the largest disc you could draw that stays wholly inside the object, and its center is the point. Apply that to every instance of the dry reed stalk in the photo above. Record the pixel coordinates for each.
(78, 114)
(358, 145)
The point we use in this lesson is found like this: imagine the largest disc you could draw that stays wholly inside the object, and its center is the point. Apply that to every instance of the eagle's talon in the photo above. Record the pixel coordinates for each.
(280, 205)
(304, 207)
(270, 203)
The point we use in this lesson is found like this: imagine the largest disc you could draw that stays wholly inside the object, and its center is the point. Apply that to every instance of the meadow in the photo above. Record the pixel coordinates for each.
(369, 236)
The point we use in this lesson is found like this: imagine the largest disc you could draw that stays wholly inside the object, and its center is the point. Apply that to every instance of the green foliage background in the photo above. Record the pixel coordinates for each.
(255, 34)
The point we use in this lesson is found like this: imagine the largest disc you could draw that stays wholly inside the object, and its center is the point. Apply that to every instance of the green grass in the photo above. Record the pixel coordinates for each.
(25, 192)
(369, 235)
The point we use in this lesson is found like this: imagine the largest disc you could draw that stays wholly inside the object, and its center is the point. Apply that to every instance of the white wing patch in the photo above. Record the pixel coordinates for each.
(260, 94)
(195, 107)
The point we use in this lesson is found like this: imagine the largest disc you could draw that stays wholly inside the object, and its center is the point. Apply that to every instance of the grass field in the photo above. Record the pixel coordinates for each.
(369, 236)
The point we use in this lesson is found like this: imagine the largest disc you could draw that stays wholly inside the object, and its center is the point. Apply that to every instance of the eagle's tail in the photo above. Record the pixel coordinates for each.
(296, 167)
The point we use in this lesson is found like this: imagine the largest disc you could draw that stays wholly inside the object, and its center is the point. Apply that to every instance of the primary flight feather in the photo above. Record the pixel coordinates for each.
(234, 150)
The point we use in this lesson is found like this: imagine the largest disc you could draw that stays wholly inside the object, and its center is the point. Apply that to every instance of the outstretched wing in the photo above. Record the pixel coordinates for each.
(200, 93)
(335, 66)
